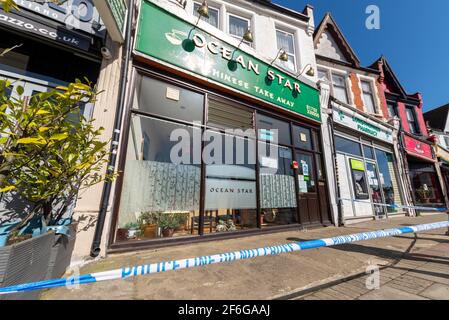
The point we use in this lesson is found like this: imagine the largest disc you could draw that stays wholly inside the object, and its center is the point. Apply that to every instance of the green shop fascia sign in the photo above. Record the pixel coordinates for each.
(172, 40)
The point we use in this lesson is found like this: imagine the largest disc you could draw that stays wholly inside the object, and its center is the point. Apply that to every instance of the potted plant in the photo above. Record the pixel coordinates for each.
(423, 194)
(133, 229)
(168, 222)
(148, 224)
(49, 152)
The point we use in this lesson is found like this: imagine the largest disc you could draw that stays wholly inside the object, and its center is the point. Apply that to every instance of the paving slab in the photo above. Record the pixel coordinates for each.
(388, 293)
(437, 291)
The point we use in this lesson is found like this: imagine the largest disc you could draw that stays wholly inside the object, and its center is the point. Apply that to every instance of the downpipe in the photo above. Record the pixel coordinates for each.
(106, 194)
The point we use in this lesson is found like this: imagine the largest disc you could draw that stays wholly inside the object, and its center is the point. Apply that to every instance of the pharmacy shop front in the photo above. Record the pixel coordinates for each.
(367, 175)
(206, 158)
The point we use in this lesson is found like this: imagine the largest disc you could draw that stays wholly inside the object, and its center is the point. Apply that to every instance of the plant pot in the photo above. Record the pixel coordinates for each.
(168, 233)
(150, 231)
(122, 234)
(61, 253)
(25, 262)
(133, 233)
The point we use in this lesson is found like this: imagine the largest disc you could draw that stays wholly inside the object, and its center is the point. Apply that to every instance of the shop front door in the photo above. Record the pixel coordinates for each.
(375, 190)
(309, 206)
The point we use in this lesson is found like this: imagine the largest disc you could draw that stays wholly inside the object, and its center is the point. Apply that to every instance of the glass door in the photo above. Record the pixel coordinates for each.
(309, 207)
(375, 189)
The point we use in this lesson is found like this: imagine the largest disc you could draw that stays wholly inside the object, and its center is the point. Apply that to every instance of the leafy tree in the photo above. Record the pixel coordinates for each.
(48, 150)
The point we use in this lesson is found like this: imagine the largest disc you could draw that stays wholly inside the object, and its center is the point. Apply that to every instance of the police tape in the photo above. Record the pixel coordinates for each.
(397, 206)
(159, 267)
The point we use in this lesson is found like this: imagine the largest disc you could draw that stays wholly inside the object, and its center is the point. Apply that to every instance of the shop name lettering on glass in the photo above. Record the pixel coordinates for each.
(234, 61)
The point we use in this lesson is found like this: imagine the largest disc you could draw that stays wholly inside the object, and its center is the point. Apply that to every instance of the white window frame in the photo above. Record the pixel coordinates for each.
(345, 79)
(213, 7)
(228, 15)
(370, 83)
(277, 29)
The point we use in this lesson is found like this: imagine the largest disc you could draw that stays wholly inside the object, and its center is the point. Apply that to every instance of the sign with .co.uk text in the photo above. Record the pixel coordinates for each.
(355, 121)
(172, 40)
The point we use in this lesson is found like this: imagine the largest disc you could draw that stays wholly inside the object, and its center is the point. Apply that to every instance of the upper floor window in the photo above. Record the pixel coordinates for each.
(238, 26)
(214, 15)
(368, 97)
(446, 140)
(411, 119)
(322, 74)
(392, 109)
(286, 42)
(339, 88)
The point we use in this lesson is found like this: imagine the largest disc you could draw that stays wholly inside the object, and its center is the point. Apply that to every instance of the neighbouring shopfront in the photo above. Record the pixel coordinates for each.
(422, 173)
(218, 142)
(52, 44)
(367, 174)
(443, 157)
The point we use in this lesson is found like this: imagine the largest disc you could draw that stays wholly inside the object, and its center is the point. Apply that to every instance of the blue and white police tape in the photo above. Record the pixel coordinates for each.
(397, 206)
(159, 267)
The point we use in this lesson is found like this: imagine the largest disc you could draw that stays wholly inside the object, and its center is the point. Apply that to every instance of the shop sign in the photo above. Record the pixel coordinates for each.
(443, 154)
(417, 148)
(357, 165)
(230, 194)
(24, 24)
(179, 43)
(351, 119)
(74, 14)
(113, 13)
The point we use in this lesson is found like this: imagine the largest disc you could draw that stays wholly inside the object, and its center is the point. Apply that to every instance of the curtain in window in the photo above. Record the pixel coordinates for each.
(157, 187)
(237, 26)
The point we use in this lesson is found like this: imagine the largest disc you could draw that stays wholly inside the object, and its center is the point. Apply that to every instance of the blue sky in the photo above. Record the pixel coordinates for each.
(413, 35)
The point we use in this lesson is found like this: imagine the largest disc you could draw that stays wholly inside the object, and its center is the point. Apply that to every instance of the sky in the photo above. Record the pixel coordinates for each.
(413, 36)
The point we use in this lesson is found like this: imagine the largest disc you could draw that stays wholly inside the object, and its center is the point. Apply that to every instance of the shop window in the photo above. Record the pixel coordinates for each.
(286, 42)
(388, 179)
(347, 146)
(368, 151)
(359, 179)
(425, 183)
(225, 116)
(411, 119)
(273, 130)
(163, 99)
(277, 187)
(214, 15)
(159, 198)
(230, 199)
(238, 26)
(368, 97)
(302, 137)
(340, 91)
(392, 109)
(375, 188)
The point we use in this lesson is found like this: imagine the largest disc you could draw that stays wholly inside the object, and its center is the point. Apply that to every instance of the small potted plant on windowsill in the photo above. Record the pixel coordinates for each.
(168, 222)
(133, 229)
(423, 195)
(148, 224)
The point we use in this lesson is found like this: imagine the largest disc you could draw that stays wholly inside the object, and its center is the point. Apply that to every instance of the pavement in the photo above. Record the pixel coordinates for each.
(414, 266)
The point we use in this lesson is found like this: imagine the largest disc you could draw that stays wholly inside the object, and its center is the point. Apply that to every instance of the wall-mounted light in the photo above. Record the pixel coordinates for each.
(247, 36)
(310, 71)
(203, 10)
(281, 55)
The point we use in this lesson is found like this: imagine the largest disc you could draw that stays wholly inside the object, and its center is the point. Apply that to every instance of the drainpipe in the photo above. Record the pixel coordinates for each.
(334, 167)
(126, 56)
